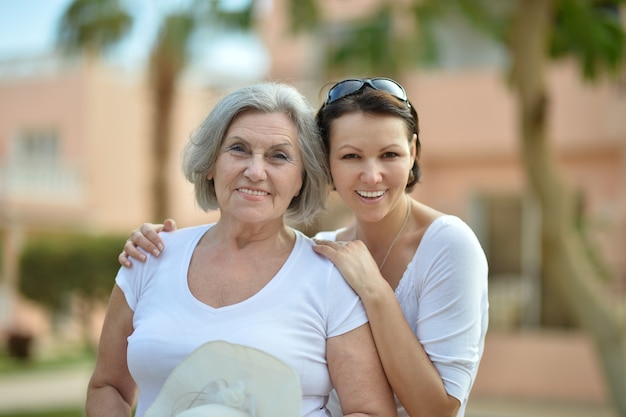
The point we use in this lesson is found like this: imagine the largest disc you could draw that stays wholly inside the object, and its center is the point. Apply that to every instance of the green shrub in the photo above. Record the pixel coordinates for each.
(54, 268)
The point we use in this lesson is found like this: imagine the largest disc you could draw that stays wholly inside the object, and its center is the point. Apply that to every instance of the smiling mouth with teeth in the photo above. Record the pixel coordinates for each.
(371, 194)
(252, 192)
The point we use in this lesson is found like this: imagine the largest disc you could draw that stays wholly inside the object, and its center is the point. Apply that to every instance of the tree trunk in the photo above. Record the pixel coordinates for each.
(164, 75)
(566, 265)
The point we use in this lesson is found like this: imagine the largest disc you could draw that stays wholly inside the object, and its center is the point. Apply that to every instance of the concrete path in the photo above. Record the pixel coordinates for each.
(497, 407)
(44, 390)
(47, 390)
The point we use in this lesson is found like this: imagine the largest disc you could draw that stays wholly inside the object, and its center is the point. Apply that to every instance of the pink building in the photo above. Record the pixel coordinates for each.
(74, 155)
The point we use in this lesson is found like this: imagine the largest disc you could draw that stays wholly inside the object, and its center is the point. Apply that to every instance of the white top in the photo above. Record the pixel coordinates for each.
(291, 317)
(443, 295)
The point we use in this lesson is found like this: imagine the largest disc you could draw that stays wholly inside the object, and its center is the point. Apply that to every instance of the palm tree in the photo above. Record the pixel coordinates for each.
(532, 32)
(167, 61)
(94, 26)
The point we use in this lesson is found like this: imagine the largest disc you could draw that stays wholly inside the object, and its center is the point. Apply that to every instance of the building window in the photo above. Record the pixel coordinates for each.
(36, 168)
(509, 232)
(503, 217)
(37, 147)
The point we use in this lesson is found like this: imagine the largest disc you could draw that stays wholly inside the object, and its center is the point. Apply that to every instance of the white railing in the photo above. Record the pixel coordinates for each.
(29, 66)
(513, 302)
(42, 182)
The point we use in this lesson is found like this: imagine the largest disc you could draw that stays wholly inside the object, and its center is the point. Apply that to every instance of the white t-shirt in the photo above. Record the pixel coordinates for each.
(443, 295)
(291, 317)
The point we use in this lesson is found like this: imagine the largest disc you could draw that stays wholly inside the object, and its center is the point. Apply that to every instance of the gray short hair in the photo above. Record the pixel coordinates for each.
(201, 152)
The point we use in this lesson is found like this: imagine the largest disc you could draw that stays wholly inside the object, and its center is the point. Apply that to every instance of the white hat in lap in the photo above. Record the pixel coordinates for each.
(221, 379)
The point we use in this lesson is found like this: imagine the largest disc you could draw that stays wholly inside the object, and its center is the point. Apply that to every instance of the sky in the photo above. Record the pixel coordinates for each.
(28, 27)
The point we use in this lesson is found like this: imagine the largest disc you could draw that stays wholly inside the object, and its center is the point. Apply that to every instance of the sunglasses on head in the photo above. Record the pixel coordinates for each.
(347, 87)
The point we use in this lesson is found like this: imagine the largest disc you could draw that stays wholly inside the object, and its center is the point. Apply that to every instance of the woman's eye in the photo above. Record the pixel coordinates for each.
(281, 156)
(390, 155)
(349, 156)
(236, 148)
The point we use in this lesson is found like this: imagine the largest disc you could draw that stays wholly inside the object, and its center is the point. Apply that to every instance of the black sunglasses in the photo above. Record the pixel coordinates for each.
(346, 87)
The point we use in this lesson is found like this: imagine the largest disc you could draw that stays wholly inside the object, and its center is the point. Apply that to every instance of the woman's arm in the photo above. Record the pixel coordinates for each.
(411, 373)
(358, 376)
(147, 238)
(112, 390)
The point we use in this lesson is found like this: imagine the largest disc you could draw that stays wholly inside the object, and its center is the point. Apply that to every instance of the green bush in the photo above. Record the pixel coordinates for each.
(54, 268)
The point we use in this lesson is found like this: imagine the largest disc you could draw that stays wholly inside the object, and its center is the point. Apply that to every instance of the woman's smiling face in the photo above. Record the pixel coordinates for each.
(259, 169)
(370, 160)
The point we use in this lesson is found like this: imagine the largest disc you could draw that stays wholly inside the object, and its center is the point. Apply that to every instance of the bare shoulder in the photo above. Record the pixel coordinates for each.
(424, 215)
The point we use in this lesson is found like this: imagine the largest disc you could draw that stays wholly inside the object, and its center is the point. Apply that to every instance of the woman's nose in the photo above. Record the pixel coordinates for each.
(371, 173)
(256, 169)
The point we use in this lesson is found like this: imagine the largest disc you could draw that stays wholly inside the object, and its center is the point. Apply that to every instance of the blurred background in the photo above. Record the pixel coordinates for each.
(522, 108)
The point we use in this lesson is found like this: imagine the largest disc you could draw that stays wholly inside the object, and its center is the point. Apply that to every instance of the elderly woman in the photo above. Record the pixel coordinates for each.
(247, 279)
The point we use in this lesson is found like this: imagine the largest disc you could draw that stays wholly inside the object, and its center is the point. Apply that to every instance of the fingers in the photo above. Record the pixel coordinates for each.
(331, 243)
(148, 239)
(329, 248)
(124, 260)
(169, 225)
(131, 250)
(324, 250)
